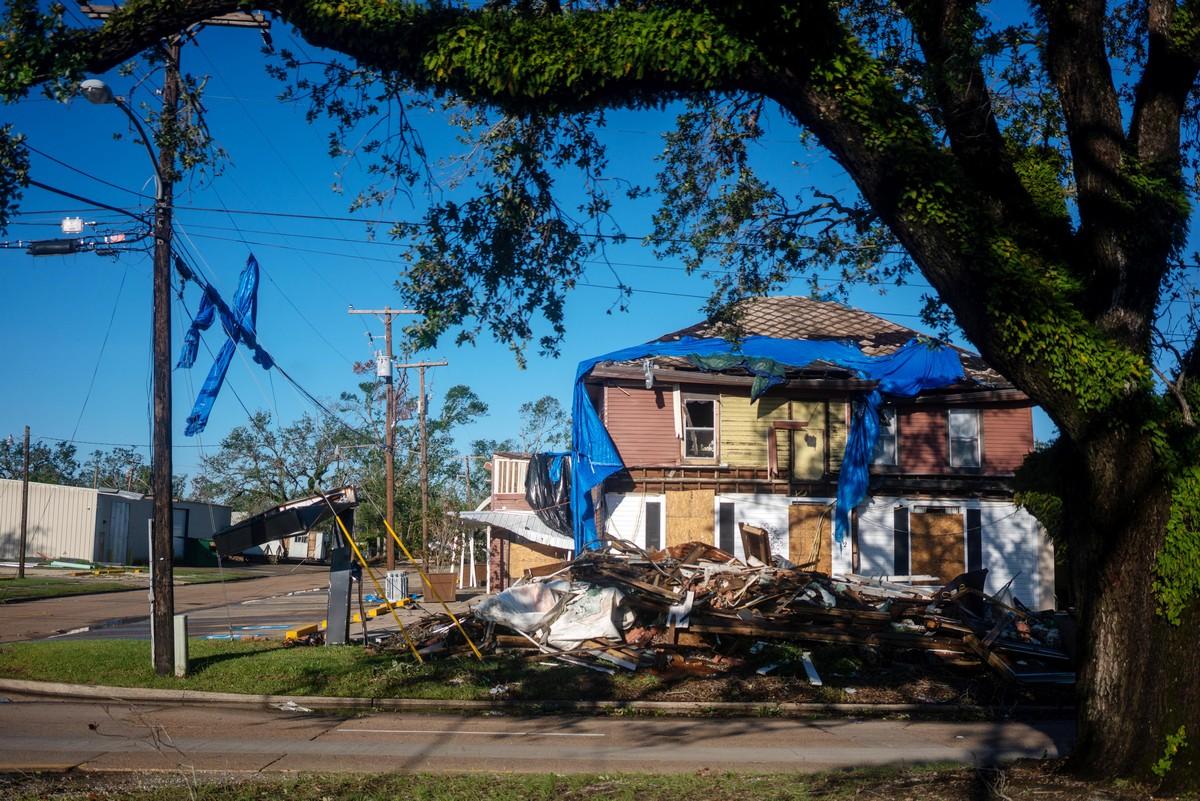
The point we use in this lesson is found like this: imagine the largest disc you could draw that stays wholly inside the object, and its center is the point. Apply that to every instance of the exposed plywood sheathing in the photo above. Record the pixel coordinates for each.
(526, 556)
(690, 516)
(937, 544)
(809, 533)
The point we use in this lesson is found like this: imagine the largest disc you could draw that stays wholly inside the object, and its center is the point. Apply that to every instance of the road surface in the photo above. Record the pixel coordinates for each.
(37, 734)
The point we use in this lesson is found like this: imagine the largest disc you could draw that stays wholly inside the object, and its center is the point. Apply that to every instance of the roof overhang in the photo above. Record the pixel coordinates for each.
(525, 525)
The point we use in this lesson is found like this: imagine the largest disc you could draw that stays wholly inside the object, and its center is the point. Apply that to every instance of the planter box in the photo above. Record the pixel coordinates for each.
(443, 586)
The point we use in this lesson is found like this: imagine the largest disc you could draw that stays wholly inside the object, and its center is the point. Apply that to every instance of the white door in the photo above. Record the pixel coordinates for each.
(118, 533)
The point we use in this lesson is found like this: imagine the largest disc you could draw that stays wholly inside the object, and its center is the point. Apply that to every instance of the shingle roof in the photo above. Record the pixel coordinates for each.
(805, 318)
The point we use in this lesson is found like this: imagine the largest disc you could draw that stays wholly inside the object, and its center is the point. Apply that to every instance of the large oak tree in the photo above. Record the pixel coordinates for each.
(1036, 171)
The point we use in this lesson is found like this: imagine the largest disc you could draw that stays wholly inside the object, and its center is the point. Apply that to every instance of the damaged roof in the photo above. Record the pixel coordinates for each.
(805, 318)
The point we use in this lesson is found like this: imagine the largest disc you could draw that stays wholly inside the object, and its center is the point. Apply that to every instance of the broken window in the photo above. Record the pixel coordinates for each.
(700, 428)
(964, 438)
(885, 445)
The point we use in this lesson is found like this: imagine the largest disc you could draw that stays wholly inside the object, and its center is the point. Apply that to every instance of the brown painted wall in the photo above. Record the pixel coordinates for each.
(924, 442)
(641, 423)
(1007, 438)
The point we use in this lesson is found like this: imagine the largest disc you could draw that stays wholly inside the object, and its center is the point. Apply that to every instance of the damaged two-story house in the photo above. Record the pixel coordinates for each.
(711, 435)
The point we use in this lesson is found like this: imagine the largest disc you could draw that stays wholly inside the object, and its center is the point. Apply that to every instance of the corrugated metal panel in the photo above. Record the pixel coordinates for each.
(1007, 438)
(641, 423)
(923, 441)
(744, 427)
(205, 519)
(62, 521)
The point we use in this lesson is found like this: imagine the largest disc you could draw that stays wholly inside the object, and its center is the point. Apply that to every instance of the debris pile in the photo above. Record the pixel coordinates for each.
(696, 609)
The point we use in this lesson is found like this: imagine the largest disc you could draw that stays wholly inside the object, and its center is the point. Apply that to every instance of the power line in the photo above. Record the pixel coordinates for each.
(95, 203)
(84, 173)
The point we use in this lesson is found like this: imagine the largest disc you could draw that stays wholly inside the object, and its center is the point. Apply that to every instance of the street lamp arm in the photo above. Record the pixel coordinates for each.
(137, 123)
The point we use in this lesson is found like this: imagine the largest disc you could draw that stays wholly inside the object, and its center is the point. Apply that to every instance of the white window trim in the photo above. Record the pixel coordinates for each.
(895, 438)
(684, 397)
(978, 439)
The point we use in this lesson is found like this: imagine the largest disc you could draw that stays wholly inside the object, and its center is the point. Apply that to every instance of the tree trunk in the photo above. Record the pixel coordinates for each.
(1138, 673)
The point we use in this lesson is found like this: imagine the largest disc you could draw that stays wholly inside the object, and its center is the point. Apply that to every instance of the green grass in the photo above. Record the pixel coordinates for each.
(1028, 779)
(268, 667)
(16, 589)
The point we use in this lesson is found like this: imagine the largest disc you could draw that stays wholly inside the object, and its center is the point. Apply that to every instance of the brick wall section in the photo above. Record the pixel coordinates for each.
(924, 442)
(641, 423)
(1007, 438)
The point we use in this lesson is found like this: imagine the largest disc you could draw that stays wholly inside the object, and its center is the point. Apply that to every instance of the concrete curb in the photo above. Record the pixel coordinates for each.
(680, 708)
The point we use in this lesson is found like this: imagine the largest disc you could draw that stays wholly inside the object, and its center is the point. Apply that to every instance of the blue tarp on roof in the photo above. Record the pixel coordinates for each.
(918, 366)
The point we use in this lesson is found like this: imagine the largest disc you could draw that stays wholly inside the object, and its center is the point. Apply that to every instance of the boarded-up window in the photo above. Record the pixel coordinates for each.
(725, 527)
(936, 542)
(900, 539)
(809, 536)
(974, 539)
(653, 525)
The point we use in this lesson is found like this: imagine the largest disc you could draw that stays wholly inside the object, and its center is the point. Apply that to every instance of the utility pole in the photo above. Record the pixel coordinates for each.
(422, 411)
(162, 586)
(389, 437)
(160, 458)
(24, 508)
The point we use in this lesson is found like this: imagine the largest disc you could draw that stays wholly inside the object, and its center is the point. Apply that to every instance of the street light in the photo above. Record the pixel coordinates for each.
(161, 534)
(98, 93)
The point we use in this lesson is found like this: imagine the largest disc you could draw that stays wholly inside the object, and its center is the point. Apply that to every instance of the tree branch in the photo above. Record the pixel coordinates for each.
(1172, 64)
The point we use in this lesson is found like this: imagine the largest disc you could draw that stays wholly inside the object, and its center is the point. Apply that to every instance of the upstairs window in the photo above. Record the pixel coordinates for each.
(700, 428)
(885, 446)
(964, 438)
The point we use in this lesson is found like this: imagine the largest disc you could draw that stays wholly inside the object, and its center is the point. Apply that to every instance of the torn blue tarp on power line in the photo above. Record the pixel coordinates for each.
(239, 323)
(918, 366)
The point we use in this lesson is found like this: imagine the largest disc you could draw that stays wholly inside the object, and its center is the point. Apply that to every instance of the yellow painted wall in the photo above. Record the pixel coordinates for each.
(744, 427)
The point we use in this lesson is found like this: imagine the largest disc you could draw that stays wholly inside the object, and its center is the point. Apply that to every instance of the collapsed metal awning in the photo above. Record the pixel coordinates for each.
(522, 524)
(286, 520)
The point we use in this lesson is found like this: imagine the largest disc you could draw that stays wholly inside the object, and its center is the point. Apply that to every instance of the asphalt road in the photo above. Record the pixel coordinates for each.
(36, 734)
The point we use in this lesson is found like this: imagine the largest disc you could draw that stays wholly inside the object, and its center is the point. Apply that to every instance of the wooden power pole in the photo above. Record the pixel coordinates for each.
(24, 508)
(162, 578)
(422, 413)
(389, 437)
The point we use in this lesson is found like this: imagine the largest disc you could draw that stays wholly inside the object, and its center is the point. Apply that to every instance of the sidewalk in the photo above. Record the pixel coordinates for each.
(32, 620)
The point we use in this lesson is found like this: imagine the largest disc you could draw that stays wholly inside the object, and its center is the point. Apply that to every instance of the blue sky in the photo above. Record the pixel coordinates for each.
(58, 309)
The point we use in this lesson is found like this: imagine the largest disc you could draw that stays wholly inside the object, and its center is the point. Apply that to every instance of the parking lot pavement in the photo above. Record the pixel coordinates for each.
(50, 617)
(222, 612)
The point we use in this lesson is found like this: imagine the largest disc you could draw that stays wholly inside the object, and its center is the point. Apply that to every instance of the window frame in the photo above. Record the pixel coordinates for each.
(715, 400)
(951, 439)
(895, 437)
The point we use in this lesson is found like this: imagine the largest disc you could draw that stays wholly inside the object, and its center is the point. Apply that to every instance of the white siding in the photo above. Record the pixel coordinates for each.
(769, 512)
(205, 519)
(62, 521)
(627, 516)
(1013, 544)
(876, 539)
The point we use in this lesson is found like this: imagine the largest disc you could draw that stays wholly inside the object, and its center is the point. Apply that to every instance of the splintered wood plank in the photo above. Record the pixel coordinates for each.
(809, 534)
(937, 544)
(690, 516)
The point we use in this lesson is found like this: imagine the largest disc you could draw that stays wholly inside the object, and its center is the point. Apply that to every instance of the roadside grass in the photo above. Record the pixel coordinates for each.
(1042, 780)
(32, 587)
(267, 667)
(35, 587)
